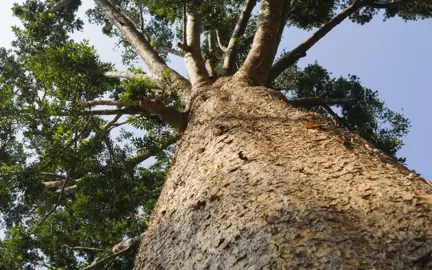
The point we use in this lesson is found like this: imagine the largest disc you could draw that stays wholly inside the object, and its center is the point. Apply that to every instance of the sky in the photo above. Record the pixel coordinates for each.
(393, 57)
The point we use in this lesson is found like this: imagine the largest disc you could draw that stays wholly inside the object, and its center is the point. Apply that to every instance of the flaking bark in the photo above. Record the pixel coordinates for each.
(254, 186)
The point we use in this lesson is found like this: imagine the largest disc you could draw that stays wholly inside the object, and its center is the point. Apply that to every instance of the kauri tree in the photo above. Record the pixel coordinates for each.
(256, 163)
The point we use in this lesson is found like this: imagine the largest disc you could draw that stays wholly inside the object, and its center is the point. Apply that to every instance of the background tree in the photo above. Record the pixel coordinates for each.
(75, 196)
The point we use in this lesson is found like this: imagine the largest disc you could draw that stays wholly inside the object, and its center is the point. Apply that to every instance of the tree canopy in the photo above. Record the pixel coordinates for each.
(70, 190)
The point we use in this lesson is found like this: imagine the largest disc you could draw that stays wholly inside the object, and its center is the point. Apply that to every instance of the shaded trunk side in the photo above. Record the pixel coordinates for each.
(257, 184)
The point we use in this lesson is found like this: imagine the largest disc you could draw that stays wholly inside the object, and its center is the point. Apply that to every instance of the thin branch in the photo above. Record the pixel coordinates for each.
(140, 156)
(59, 183)
(167, 49)
(90, 249)
(219, 42)
(56, 204)
(338, 121)
(195, 66)
(184, 37)
(129, 32)
(260, 58)
(57, 6)
(112, 122)
(292, 57)
(239, 30)
(68, 190)
(105, 138)
(166, 113)
(105, 112)
(395, 4)
(97, 262)
(311, 102)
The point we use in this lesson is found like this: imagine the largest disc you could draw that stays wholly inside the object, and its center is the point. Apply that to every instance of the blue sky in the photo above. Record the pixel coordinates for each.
(392, 57)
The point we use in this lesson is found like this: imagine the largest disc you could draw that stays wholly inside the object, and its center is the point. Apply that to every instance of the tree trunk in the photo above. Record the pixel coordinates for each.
(258, 184)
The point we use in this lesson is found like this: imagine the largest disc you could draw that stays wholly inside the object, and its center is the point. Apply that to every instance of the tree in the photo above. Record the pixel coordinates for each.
(273, 167)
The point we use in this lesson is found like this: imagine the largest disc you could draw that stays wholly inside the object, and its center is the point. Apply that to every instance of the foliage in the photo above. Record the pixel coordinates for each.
(364, 112)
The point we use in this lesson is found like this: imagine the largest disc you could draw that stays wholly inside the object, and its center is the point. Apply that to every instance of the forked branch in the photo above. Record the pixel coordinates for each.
(260, 58)
(292, 57)
(239, 30)
(129, 32)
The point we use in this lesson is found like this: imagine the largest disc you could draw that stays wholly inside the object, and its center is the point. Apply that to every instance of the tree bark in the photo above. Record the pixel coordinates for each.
(254, 185)
(257, 65)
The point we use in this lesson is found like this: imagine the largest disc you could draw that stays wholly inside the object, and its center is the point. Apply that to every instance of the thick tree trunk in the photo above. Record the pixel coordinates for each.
(257, 184)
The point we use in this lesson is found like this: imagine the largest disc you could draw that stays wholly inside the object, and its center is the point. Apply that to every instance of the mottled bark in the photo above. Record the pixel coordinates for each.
(254, 185)
(256, 67)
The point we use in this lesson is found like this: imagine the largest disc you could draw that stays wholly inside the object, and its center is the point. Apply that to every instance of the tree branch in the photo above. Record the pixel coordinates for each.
(167, 49)
(112, 122)
(219, 42)
(90, 249)
(166, 113)
(239, 30)
(338, 121)
(260, 58)
(131, 244)
(105, 112)
(285, 14)
(57, 184)
(310, 102)
(395, 4)
(68, 190)
(140, 156)
(129, 32)
(127, 75)
(55, 206)
(209, 56)
(292, 57)
(195, 66)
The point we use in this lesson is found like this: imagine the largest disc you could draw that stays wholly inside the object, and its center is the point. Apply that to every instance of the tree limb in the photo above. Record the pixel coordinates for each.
(219, 42)
(260, 58)
(129, 32)
(90, 249)
(195, 66)
(133, 243)
(395, 4)
(239, 30)
(127, 75)
(112, 122)
(56, 184)
(166, 113)
(167, 49)
(292, 57)
(140, 156)
(68, 190)
(55, 206)
(338, 121)
(311, 102)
